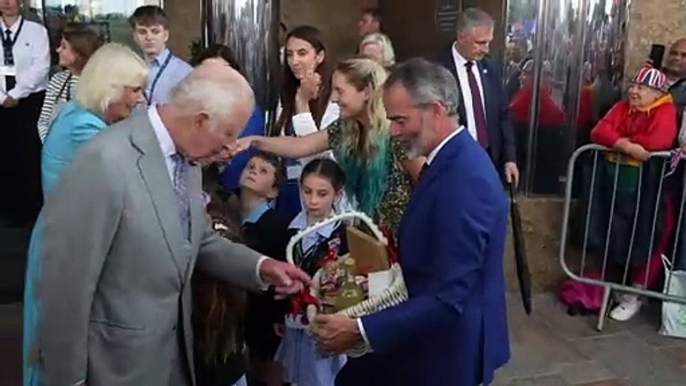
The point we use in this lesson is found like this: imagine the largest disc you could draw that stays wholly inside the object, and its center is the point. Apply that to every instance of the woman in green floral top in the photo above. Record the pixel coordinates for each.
(378, 173)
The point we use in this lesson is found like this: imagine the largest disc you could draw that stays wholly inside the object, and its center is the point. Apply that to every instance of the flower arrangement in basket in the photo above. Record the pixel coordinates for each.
(349, 284)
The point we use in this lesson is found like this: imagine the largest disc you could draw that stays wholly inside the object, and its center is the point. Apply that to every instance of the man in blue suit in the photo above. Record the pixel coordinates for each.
(486, 113)
(452, 331)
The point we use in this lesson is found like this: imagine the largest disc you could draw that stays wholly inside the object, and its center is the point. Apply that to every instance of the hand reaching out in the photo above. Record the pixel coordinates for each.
(242, 144)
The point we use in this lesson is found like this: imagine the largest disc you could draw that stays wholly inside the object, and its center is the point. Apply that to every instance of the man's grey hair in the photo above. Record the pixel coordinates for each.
(426, 83)
(471, 18)
(219, 97)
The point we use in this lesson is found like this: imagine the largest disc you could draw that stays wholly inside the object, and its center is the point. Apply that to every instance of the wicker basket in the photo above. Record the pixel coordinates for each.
(395, 294)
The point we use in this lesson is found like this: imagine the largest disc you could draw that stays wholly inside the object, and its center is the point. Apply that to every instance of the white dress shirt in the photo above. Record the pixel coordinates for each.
(463, 81)
(429, 159)
(168, 151)
(31, 53)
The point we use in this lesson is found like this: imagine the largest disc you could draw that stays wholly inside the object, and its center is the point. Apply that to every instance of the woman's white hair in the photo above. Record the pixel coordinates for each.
(108, 71)
(385, 46)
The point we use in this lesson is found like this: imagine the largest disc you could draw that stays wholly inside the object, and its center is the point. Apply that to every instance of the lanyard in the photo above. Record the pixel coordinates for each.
(16, 34)
(157, 77)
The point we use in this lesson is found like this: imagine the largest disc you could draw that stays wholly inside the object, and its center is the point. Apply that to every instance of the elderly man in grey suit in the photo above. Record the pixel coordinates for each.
(125, 228)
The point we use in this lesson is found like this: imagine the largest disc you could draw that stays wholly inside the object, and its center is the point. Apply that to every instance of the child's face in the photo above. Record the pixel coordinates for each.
(151, 38)
(318, 195)
(259, 176)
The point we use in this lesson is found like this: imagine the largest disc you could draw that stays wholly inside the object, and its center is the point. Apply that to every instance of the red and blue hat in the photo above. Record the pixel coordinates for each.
(651, 77)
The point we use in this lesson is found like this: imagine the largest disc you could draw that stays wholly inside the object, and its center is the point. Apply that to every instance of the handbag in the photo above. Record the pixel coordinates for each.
(394, 294)
(673, 313)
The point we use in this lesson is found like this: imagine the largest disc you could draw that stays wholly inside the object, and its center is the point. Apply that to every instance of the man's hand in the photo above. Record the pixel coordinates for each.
(286, 279)
(512, 173)
(9, 102)
(336, 333)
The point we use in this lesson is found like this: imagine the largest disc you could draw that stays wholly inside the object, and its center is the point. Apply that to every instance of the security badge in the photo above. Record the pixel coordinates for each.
(8, 70)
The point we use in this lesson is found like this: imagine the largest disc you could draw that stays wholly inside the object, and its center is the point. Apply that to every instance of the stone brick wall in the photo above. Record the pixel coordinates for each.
(652, 23)
(185, 24)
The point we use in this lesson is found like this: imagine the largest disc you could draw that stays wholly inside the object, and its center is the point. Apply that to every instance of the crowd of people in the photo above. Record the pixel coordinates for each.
(164, 207)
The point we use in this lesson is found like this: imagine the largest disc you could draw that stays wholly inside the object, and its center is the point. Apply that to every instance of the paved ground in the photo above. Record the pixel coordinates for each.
(549, 348)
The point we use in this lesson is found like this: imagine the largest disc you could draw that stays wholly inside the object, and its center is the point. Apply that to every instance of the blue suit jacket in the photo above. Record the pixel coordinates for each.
(497, 108)
(453, 329)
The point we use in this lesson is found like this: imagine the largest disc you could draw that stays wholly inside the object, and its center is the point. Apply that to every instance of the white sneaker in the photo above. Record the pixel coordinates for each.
(629, 306)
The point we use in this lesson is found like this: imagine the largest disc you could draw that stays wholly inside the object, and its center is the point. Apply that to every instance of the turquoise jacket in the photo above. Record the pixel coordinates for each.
(73, 127)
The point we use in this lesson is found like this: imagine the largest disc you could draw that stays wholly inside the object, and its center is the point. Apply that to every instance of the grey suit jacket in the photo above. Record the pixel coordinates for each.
(115, 286)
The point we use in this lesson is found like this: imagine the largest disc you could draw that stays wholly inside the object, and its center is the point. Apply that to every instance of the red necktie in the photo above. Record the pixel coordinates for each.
(478, 106)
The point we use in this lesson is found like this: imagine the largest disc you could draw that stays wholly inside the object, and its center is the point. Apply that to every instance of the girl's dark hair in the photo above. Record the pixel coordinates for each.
(219, 51)
(326, 168)
(275, 161)
(219, 307)
(290, 84)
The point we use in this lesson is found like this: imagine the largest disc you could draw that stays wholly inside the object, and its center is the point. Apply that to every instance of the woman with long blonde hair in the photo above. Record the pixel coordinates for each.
(376, 166)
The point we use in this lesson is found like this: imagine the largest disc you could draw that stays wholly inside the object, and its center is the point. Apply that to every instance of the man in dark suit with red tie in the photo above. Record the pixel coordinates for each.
(485, 113)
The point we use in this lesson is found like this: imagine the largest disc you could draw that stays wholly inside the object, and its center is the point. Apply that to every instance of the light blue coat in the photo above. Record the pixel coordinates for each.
(72, 127)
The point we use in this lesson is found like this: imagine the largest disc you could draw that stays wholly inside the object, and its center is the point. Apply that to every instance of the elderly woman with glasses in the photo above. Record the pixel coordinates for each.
(110, 86)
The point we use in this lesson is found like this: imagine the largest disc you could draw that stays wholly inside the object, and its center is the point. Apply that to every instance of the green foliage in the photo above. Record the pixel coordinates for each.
(196, 49)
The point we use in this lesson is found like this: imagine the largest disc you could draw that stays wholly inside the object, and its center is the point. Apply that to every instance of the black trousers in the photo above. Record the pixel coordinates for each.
(21, 194)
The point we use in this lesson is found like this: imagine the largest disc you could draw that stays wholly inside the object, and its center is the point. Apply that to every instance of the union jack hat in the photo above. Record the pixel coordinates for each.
(651, 77)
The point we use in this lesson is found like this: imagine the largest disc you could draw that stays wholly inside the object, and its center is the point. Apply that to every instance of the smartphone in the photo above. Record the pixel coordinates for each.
(657, 53)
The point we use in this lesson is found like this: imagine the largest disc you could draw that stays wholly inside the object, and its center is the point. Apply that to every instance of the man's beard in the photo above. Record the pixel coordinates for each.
(416, 147)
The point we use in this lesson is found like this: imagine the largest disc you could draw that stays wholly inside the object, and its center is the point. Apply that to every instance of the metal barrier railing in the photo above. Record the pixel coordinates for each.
(603, 198)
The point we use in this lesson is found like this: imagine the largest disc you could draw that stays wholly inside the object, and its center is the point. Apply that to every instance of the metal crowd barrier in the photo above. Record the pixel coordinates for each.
(595, 156)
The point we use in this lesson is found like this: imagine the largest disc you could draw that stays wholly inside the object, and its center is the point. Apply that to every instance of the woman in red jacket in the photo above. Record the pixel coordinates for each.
(643, 123)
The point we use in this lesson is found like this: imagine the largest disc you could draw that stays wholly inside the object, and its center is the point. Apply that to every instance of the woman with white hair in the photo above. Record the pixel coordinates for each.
(378, 47)
(110, 86)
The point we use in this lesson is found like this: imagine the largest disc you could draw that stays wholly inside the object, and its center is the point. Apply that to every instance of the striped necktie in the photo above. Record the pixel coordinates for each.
(7, 48)
(181, 193)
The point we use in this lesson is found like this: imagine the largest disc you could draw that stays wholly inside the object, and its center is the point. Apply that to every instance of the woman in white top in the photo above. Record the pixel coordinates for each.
(77, 44)
(305, 105)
